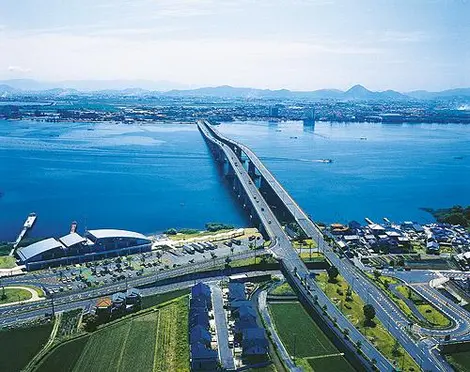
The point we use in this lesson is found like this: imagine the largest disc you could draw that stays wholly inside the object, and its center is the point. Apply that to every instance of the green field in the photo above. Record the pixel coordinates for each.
(378, 334)
(7, 262)
(18, 346)
(460, 361)
(296, 327)
(283, 290)
(154, 341)
(331, 363)
(64, 358)
(14, 295)
(154, 300)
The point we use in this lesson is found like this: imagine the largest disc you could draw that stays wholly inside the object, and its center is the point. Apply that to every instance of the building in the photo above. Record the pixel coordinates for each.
(202, 293)
(274, 111)
(202, 356)
(73, 248)
(255, 345)
(236, 292)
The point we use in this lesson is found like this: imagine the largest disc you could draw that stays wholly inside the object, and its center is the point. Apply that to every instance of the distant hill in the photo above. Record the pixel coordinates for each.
(145, 87)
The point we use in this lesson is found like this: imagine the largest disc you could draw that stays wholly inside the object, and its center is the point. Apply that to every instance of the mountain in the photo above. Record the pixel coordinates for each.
(92, 85)
(445, 94)
(358, 92)
(145, 87)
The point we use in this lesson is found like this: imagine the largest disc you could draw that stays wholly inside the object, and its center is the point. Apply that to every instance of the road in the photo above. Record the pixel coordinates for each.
(283, 250)
(225, 353)
(387, 312)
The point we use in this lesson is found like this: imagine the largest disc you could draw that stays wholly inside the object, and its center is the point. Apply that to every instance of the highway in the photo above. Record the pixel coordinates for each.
(92, 293)
(285, 252)
(387, 312)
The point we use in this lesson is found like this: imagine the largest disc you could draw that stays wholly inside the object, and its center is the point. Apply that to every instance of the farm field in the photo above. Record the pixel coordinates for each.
(20, 345)
(460, 361)
(154, 341)
(64, 358)
(309, 340)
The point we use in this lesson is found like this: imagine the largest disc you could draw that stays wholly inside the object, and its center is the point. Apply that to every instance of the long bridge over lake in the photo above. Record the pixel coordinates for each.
(228, 155)
(269, 205)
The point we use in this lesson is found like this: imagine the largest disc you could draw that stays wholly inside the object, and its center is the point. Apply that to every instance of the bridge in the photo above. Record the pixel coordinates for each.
(229, 159)
(423, 351)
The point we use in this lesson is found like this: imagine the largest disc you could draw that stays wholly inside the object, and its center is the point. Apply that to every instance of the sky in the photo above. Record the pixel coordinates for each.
(294, 44)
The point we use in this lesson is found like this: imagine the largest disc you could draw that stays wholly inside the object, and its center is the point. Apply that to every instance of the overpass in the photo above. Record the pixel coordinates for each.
(423, 351)
(246, 190)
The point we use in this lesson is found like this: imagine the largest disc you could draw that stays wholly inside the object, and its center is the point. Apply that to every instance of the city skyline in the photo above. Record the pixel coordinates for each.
(300, 45)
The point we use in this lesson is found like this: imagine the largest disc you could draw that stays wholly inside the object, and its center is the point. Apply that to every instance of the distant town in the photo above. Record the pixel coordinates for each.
(225, 104)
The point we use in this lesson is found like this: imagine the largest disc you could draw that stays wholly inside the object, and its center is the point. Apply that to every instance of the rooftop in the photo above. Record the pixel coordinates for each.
(42, 246)
(114, 233)
(72, 239)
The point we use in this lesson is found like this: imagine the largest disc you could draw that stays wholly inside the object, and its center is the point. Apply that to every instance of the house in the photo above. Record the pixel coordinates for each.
(433, 247)
(236, 292)
(203, 292)
(199, 334)
(103, 306)
(203, 358)
(133, 296)
(198, 316)
(255, 344)
(119, 300)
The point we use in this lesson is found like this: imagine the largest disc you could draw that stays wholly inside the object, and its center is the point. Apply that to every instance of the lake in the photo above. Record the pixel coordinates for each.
(152, 177)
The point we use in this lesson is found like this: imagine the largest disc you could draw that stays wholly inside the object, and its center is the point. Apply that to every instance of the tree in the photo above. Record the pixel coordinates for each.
(332, 273)
(369, 313)
(377, 275)
(396, 349)
(171, 231)
(386, 284)
(358, 344)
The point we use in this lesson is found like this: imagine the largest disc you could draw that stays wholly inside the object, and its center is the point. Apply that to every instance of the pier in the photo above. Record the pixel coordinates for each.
(26, 226)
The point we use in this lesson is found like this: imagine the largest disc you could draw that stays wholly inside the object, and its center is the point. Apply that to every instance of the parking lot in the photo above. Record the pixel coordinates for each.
(118, 269)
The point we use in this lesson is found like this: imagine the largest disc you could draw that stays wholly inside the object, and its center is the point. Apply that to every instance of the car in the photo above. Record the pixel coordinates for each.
(269, 222)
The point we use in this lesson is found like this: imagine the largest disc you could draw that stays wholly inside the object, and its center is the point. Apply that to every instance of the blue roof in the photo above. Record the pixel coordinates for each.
(200, 289)
(236, 291)
(199, 334)
(35, 249)
(246, 312)
(199, 318)
(200, 351)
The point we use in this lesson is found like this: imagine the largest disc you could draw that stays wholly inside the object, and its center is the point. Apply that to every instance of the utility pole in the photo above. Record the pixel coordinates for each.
(52, 305)
(295, 345)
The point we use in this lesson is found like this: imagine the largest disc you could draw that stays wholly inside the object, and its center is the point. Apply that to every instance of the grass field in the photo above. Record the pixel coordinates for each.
(460, 361)
(18, 346)
(155, 341)
(377, 335)
(64, 358)
(14, 295)
(7, 262)
(154, 300)
(308, 338)
(283, 290)
(432, 315)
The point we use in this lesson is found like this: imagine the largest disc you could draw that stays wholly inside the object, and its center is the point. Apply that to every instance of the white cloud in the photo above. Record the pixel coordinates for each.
(19, 69)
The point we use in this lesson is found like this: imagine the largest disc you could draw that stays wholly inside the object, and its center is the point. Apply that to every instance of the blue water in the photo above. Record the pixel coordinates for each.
(143, 178)
(151, 177)
(393, 173)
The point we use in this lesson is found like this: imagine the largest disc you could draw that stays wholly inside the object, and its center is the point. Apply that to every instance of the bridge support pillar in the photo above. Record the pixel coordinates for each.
(251, 169)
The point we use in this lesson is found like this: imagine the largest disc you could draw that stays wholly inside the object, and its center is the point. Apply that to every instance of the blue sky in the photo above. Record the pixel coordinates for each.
(294, 44)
